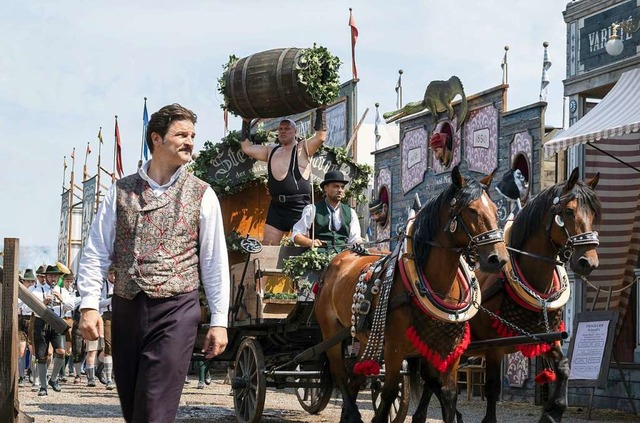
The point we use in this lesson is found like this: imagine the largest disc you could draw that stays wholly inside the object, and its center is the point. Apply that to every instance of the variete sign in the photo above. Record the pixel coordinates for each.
(597, 30)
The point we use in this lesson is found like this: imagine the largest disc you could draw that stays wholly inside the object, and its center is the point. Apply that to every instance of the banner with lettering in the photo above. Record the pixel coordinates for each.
(88, 209)
(63, 239)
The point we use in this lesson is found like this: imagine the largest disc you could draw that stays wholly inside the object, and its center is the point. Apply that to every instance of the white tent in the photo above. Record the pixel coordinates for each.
(617, 114)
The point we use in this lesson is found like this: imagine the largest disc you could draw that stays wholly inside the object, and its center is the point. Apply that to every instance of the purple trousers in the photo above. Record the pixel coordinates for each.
(153, 341)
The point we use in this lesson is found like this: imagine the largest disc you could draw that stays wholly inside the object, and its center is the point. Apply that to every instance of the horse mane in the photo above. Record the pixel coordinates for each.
(427, 221)
(529, 219)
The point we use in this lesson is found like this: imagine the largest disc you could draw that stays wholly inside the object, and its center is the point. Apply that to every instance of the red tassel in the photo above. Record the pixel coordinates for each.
(367, 368)
(545, 376)
(439, 363)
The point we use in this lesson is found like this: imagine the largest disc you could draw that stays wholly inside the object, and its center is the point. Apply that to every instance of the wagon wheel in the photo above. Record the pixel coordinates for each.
(400, 406)
(249, 383)
(314, 400)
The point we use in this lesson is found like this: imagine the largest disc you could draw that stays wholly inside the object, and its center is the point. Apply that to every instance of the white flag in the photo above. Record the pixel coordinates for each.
(544, 82)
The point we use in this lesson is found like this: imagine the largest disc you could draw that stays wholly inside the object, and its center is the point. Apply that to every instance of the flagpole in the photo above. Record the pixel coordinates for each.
(64, 172)
(505, 77)
(71, 193)
(399, 90)
(115, 152)
(84, 168)
(400, 71)
(376, 130)
(144, 133)
(99, 168)
(544, 80)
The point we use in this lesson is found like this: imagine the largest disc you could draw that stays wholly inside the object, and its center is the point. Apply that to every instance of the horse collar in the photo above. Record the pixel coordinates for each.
(423, 297)
(524, 294)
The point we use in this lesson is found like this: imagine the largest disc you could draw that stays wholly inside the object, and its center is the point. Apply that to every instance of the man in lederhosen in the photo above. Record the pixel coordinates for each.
(58, 300)
(24, 315)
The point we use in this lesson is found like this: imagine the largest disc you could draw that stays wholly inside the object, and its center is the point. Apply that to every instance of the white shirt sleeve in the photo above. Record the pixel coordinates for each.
(354, 229)
(303, 225)
(97, 255)
(214, 262)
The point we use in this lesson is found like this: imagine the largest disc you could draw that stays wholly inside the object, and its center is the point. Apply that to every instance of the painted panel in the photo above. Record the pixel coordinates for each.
(481, 139)
(414, 158)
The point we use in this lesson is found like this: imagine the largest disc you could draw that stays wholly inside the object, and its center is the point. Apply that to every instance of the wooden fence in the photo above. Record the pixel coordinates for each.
(9, 403)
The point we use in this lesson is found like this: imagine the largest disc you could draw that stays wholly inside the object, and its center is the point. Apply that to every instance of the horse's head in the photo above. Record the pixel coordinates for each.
(464, 218)
(574, 212)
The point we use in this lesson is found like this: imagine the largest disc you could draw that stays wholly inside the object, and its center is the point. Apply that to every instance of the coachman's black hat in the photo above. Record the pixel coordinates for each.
(333, 176)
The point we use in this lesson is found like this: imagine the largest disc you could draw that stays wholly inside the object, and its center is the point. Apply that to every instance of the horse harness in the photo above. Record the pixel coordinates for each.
(377, 278)
(524, 310)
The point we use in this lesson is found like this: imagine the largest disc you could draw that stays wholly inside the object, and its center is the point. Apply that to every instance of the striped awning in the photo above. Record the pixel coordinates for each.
(617, 114)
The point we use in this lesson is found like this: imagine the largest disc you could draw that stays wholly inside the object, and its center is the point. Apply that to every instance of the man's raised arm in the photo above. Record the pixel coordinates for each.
(314, 143)
(255, 151)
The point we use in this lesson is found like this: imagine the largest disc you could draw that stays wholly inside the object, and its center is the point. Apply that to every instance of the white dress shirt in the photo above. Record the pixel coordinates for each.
(41, 292)
(98, 252)
(303, 225)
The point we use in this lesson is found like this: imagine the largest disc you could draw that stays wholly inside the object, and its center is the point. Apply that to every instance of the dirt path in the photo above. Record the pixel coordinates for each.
(79, 404)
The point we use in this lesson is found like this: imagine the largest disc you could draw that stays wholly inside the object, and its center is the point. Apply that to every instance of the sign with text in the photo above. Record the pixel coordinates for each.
(590, 348)
(481, 138)
(230, 165)
(234, 167)
(597, 30)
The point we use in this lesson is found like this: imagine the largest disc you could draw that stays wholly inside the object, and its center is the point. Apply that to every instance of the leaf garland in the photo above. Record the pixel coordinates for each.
(318, 70)
(297, 267)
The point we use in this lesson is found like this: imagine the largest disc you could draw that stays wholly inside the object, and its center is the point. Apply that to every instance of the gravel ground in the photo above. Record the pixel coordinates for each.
(79, 404)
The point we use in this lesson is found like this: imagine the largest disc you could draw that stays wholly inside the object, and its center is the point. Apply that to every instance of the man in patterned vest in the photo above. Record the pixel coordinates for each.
(161, 230)
(334, 223)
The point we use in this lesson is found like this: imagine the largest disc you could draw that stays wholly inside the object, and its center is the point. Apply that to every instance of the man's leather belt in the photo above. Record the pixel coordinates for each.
(291, 198)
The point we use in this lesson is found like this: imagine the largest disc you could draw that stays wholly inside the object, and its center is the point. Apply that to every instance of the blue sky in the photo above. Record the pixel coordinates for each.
(67, 67)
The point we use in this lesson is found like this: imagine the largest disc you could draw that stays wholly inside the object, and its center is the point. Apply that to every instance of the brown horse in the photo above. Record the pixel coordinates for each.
(553, 228)
(470, 224)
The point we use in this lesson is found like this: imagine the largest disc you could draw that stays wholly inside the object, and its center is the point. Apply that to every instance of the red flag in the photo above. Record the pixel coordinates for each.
(88, 149)
(73, 153)
(354, 37)
(118, 152)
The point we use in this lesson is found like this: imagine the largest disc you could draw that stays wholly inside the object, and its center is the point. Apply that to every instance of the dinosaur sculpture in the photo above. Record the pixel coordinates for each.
(437, 98)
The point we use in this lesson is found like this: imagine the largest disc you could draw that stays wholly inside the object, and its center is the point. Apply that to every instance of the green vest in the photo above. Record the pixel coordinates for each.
(335, 239)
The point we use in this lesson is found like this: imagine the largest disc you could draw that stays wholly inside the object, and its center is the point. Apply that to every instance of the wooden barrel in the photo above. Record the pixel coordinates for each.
(266, 85)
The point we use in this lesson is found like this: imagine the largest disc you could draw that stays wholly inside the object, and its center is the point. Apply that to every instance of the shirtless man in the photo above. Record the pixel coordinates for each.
(289, 172)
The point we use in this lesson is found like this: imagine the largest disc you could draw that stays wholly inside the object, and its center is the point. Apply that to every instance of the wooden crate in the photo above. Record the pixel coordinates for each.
(269, 264)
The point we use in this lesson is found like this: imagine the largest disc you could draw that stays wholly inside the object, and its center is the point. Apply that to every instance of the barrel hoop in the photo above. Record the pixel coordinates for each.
(244, 86)
(232, 97)
(294, 77)
(279, 80)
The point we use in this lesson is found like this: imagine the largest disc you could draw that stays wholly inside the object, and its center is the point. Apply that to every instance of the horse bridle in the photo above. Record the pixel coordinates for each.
(470, 252)
(564, 252)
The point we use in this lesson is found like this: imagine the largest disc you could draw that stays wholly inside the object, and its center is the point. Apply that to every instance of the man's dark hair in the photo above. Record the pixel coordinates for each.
(162, 119)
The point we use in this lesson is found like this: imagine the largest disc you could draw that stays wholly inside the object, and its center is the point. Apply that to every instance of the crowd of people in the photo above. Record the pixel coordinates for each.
(46, 358)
